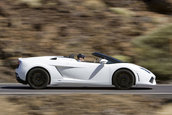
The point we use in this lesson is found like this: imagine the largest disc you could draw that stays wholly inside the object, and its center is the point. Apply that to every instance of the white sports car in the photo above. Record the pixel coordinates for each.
(39, 72)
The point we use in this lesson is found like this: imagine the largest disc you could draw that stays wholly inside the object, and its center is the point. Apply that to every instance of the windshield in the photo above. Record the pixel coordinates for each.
(110, 59)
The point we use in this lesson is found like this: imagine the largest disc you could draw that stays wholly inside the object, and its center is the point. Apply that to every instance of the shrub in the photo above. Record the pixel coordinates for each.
(154, 51)
(32, 3)
(122, 58)
(122, 11)
(95, 4)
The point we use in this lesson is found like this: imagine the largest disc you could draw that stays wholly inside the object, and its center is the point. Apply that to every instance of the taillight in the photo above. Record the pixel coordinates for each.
(19, 62)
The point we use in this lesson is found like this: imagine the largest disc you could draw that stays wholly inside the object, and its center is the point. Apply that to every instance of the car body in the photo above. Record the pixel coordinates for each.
(60, 70)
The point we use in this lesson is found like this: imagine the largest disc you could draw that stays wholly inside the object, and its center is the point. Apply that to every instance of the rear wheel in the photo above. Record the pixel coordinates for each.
(123, 79)
(38, 78)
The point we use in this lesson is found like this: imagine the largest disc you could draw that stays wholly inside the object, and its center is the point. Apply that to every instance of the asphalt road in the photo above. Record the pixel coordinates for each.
(15, 88)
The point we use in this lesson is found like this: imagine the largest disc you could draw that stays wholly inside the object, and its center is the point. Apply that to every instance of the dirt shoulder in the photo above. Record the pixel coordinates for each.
(85, 104)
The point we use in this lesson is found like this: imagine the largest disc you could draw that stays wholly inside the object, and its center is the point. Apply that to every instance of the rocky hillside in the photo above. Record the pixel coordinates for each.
(61, 27)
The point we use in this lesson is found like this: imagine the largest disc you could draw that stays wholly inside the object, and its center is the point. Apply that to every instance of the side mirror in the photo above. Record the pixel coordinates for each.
(103, 61)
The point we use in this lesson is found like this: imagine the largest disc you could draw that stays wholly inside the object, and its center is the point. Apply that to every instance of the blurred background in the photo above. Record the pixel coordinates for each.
(137, 31)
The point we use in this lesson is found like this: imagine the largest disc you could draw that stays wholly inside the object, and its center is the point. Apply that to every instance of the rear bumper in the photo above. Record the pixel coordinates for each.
(20, 80)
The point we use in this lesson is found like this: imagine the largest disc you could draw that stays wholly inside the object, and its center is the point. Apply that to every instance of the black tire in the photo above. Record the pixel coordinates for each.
(123, 79)
(38, 78)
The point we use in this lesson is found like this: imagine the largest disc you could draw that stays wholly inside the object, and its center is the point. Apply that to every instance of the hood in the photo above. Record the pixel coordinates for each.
(137, 67)
(129, 65)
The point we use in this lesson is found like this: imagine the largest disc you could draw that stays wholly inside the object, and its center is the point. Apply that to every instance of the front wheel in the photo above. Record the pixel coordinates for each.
(38, 78)
(123, 79)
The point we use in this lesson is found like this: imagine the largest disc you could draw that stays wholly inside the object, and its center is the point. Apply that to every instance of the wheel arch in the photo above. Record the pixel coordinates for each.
(125, 69)
(41, 68)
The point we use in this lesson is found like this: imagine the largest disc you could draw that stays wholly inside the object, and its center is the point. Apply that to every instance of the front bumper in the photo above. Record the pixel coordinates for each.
(20, 80)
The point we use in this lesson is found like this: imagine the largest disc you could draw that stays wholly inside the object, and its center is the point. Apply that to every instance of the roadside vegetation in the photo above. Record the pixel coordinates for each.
(83, 104)
(154, 51)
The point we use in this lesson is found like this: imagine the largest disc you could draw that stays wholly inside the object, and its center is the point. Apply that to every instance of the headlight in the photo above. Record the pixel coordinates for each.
(145, 70)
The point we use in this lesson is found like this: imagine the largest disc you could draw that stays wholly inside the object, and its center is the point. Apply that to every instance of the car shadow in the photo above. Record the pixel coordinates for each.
(73, 88)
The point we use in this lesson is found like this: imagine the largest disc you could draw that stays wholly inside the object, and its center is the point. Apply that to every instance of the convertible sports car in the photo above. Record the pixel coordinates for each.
(39, 72)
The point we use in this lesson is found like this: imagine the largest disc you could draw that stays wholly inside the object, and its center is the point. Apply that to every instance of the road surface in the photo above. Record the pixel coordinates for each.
(15, 88)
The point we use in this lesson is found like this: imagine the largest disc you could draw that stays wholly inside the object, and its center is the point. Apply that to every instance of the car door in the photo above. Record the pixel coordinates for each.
(84, 71)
